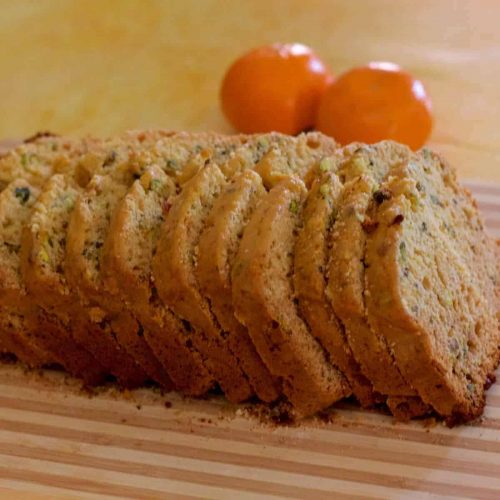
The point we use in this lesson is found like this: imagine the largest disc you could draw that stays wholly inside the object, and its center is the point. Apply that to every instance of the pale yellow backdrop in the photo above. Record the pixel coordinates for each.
(103, 66)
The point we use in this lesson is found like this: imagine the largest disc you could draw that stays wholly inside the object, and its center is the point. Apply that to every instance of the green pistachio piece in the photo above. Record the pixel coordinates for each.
(294, 207)
(325, 165)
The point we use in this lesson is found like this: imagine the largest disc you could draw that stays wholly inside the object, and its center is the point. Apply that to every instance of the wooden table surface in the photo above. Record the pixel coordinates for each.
(104, 66)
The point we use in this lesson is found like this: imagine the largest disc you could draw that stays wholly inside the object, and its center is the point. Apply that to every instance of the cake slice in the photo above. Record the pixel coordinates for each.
(44, 269)
(115, 166)
(217, 249)
(264, 301)
(126, 268)
(27, 166)
(174, 266)
(431, 285)
(312, 254)
(15, 334)
(142, 212)
(275, 156)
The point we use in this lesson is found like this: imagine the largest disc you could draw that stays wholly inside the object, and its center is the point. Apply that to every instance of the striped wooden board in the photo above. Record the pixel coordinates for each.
(57, 442)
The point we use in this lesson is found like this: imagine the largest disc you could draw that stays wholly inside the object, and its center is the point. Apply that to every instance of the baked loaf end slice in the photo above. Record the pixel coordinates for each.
(312, 253)
(217, 249)
(174, 272)
(264, 302)
(431, 278)
(363, 170)
(128, 252)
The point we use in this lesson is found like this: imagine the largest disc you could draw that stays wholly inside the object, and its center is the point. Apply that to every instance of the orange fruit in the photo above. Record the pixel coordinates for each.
(274, 88)
(375, 102)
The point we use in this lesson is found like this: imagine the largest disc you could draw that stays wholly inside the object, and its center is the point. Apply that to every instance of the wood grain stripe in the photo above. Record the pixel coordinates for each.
(482, 464)
(342, 442)
(106, 438)
(126, 474)
(484, 441)
(79, 484)
(157, 417)
(110, 443)
(19, 490)
(311, 469)
(399, 485)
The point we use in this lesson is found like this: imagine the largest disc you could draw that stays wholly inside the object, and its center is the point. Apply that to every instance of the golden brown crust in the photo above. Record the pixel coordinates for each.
(363, 169)
(11, 325)
(180, 156)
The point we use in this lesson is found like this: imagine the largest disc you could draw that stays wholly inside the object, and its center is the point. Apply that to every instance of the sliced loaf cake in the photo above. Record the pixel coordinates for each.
(275, 157)
(48, 266)
(46, 245)
(85, 238)
(115, 166)
(36, 333)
